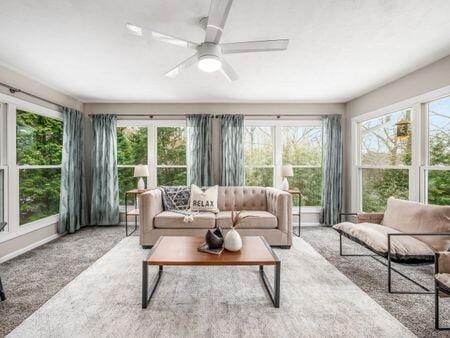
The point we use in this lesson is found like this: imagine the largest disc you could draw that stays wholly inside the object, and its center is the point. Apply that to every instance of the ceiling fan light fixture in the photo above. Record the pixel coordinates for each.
(209, 63)
(133, 29)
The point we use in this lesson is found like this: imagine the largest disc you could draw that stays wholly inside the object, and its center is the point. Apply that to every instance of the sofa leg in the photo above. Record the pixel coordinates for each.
(282, 246)
(147, 247)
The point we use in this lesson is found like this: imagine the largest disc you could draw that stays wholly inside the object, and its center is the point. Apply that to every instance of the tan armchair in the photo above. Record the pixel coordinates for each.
(442, 282)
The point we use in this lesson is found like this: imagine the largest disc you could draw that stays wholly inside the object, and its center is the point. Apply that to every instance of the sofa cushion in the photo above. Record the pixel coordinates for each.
(174, 220)
(242, 198)
(374, 236)
(256, 220)
(408, 216)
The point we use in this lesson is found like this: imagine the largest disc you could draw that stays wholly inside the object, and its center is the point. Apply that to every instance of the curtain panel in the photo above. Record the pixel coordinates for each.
(72, 206)
(232, 150)
(105, 186)
(331, 170)
(199, 149)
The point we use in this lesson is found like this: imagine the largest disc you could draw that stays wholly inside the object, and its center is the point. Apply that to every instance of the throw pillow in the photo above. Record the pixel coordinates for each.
(176, 198)
(204, 200)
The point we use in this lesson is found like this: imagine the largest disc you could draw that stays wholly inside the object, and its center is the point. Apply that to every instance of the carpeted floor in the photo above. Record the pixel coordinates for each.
(35, 277)
(316, 301)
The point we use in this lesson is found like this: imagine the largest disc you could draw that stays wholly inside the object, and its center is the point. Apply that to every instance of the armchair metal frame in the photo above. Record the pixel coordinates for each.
(436, 296)
(388, 256)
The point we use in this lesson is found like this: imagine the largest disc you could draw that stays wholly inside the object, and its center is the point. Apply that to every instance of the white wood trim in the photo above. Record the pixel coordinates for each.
(29, 227)
(284, 123)
(29, 247)
(148, 123)
(28, 166)
(31, 107)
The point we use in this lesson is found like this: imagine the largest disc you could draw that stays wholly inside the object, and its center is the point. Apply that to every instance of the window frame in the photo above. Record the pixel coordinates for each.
(278, 147)
(419, 147)
(8, 111)
(152, 159)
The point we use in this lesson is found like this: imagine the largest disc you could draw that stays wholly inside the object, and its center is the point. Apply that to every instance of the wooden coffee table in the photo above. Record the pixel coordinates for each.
(182, 251)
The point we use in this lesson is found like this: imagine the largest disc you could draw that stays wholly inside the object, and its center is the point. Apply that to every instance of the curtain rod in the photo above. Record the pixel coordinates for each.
(14, 90)
(151, 116)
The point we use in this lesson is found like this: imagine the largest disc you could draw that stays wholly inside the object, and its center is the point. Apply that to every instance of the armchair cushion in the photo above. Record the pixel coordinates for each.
(414, 217)
(375, 237)
(257, 220)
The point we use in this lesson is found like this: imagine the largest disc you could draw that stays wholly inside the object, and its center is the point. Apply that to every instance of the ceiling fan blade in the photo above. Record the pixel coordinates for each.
(182, 66)
(254, 46)
(218, 13)
(146, 32)
(228, 71)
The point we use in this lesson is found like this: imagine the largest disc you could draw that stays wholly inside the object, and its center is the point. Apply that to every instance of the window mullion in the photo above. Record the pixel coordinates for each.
(13, 172)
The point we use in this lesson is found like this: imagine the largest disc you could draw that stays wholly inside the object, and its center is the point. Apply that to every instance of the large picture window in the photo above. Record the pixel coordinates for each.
(268, 145)
(38, 157)
(131, 151)
(171, 156)
(258, 154)
(302, 148)
(405, 154)
(385, 159)
(438, 166)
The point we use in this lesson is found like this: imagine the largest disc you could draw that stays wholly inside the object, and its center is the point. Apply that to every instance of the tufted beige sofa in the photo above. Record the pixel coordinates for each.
(270, 212)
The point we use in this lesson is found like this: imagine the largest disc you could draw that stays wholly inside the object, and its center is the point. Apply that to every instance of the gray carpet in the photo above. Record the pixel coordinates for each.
(415, 311)
(34, 277)
(316, 301)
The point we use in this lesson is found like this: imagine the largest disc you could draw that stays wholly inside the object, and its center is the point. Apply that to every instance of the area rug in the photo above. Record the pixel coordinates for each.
(316, 300)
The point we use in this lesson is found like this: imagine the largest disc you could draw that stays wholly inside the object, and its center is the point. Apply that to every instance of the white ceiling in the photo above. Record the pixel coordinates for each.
(339, 49)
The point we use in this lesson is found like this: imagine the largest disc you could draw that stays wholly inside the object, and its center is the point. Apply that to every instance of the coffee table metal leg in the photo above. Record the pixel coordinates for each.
(274, 294)
(146, 292)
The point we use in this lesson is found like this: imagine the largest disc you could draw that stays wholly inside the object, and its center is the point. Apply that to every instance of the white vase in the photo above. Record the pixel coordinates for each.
(233, 241)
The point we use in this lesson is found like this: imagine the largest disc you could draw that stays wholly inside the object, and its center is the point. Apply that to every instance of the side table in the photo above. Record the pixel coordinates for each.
(134, 212)
(299, 214)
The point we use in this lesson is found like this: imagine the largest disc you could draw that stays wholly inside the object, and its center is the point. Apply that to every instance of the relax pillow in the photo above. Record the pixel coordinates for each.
(204, 200)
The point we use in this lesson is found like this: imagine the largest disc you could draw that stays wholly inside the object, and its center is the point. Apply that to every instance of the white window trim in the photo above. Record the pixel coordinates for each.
(277, 125)
(419, 163)
(8, 162)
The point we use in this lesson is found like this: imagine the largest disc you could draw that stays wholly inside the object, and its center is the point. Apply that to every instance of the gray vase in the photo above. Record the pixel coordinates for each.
(214, 238)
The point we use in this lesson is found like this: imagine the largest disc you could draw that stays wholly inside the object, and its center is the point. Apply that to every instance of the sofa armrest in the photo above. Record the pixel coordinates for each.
(150, 205)
(442, 262)
(279, 203)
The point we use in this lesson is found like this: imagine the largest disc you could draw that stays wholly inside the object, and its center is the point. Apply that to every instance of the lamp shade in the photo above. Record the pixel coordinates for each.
(286, 171)
(141, 171)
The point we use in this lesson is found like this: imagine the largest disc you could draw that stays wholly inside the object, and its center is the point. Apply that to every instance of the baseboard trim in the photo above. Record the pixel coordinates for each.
(29, 247)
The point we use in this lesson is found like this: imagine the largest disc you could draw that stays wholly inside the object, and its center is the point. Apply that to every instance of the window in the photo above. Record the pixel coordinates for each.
(159, 144)
(302, 148)
(38, 158)
(258, 154)
(437, 171)
(131, 151)
(385, 159)
(171, 156)
(268, 145)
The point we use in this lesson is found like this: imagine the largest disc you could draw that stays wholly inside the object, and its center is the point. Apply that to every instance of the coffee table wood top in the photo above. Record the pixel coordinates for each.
(182, 250)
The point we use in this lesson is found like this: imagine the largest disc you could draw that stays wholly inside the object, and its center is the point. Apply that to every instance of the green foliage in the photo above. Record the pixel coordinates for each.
(172, 176)
(439, 187)
(131, 145)
(261, 177)
(309, 182)
(171, 147)
(39, 142)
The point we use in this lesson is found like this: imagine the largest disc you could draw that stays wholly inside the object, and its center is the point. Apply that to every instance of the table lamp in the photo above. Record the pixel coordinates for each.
(286, 171)
(141, 171)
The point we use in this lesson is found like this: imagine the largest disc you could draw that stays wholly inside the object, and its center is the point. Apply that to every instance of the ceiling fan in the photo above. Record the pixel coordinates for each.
(209, 55)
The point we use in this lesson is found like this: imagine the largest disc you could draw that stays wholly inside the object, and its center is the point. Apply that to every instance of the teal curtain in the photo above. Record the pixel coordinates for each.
(72, 205)
(331, 170)
(105, 186)
(199, 149)
(232, 150)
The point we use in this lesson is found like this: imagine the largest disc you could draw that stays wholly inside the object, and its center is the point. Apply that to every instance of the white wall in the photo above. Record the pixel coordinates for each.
(16, 245)
(424, 80)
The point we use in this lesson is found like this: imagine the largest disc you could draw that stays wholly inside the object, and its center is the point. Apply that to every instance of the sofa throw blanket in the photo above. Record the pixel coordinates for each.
(176, 199)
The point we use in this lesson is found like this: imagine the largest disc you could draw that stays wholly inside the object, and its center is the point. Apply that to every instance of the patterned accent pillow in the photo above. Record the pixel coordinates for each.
(176, 198)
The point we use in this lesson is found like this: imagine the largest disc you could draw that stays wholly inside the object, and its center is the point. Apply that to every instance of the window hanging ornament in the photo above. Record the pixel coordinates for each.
(403, 127)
